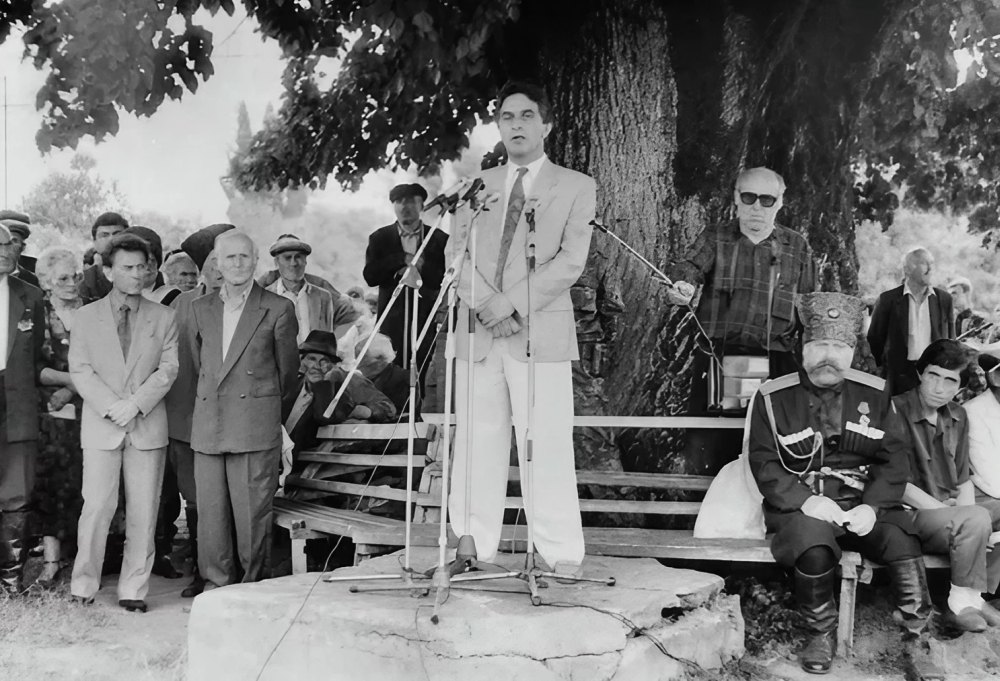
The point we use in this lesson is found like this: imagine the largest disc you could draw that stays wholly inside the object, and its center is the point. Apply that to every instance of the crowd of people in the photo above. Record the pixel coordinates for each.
(144, 381)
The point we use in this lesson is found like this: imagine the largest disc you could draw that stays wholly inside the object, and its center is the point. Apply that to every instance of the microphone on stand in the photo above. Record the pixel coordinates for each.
(477, 186)
(529, 218)
(449, 198)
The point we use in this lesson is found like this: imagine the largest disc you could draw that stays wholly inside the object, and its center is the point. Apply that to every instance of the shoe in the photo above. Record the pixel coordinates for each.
(164, 568)
(568, 572)
(990, 614)
(967, 620)
(193, 589)
(133, 605)
(919, 662)
(816, 604)
(47, 578)
(82, 600)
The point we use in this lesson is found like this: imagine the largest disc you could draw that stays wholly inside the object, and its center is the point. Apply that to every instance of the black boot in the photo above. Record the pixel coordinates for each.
(913, 613)
(13, 550)
(814, 595)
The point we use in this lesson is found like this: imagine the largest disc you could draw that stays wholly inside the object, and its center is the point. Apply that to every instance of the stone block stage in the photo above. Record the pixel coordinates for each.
(656, 623)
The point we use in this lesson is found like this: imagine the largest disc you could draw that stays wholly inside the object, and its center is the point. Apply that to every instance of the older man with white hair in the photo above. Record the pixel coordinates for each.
(750, 269)
(907, 319)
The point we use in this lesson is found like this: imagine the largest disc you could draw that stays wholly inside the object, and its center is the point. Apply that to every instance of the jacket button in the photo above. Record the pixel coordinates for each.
(242, 396)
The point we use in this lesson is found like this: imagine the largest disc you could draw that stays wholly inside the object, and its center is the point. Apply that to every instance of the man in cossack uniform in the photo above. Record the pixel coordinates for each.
(828, 456)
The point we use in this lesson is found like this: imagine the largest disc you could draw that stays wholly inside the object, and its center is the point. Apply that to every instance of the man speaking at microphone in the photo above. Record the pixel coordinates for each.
(506, 301)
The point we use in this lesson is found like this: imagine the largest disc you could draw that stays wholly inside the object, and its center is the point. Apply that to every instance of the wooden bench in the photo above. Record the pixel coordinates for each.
(371, 534)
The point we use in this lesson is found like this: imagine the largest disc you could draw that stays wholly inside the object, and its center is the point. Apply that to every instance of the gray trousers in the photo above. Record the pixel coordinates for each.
(960, 532)
(235, 495)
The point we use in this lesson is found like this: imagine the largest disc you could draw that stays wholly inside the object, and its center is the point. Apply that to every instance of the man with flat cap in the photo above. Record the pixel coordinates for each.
(22, 331)
(390, 251)
(828, 454)
(315, 307)
(18, 224)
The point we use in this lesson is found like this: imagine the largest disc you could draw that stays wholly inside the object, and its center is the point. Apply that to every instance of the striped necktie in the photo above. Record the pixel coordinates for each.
(515, 203)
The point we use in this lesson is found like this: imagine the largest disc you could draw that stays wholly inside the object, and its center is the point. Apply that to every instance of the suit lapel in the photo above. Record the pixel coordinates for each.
(15, 310)
(542, 190)
(107, 336)
(934, 307)
(140, 329)
(250, 319)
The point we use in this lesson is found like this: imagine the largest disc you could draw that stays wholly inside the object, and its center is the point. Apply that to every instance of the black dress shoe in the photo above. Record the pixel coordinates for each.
(164, 568)
(817, 656)
(133, 605)
(193, 589)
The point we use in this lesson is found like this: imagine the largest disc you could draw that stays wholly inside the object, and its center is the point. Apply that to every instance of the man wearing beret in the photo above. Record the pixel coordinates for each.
(828, 454)
(95, 283)
(18, 226)
(22, 327)
(315, 307)
(390, 252)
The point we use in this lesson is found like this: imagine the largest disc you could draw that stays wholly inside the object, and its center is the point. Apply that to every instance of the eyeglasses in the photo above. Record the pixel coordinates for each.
(766, 200)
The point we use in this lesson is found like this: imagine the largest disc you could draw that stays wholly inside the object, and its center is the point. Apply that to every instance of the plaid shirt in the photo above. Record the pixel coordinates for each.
(737, 276)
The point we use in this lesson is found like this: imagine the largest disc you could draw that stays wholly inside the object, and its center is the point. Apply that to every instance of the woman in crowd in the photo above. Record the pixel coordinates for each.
(59, 469)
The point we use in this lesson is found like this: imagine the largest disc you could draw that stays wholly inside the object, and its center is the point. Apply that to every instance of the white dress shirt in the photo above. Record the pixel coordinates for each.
(301, 302)
(919, 326)
(232, 310)
(984, 442)
(4, 317)
(526, 182)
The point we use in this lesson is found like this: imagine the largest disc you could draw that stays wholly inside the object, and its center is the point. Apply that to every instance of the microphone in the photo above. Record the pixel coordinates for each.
(477, 186)
(449, 197)
(598, 224)
(529, 218)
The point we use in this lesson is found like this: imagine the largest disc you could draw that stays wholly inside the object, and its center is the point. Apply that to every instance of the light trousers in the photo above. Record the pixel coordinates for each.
(961, 532)
(142, 473)
(476, 504)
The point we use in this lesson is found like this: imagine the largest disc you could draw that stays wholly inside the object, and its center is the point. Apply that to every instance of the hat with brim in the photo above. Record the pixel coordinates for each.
(17, 227)
(290, 243)
(830, 316)
(322, 342)
(405, 191)
(201, 243)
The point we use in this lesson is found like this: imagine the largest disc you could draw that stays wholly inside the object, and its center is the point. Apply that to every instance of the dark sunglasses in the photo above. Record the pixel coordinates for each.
(749, 198)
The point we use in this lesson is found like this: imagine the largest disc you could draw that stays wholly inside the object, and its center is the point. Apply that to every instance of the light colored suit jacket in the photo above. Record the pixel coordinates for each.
(564, 203)
(984, 442)
(238, 407)
(102, 376)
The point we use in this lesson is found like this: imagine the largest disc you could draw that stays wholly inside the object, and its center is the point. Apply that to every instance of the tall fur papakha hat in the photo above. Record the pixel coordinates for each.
(830, 316)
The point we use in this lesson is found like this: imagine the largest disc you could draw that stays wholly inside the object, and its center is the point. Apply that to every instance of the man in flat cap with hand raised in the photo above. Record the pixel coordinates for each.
(391, 250)
(829, 456)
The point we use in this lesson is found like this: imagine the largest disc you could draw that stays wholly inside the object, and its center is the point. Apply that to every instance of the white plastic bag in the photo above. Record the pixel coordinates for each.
(732, 506)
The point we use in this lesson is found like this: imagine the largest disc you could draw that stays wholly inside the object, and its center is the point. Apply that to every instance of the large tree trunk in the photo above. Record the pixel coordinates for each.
(663, 103)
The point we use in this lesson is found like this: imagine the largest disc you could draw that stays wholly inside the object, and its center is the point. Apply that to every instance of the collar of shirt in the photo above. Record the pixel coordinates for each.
(416, 231)
(529, 177)
(232, 304)
(907, 291)
(913, 408)
(118, 299)
(282, 290)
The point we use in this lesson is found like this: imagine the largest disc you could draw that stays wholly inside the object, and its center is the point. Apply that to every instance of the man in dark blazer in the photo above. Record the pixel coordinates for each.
(242, 344)
(907, 319)
(390, 252)
(95, 285)
(22, 329)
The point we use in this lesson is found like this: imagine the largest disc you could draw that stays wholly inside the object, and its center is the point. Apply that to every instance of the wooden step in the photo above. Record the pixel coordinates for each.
(375, 431)
(377, 491)
(389, 460)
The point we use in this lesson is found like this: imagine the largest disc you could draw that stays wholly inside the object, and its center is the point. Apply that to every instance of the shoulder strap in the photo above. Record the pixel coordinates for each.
(780, 383)
(865, 379)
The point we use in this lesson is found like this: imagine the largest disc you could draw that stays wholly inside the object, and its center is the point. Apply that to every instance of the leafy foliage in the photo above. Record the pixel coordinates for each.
(927, 134)
(69, 201)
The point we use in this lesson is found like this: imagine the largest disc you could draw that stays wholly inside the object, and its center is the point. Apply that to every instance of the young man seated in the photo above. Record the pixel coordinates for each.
(947, 517)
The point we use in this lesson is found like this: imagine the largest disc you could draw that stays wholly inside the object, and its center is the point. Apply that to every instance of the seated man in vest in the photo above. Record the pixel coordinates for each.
(948, 517)
(827, 453)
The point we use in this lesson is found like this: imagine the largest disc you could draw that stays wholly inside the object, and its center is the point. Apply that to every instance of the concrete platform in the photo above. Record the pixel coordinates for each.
(656, 623)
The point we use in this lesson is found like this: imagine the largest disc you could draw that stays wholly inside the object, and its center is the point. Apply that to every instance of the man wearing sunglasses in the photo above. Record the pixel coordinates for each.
(750, 270)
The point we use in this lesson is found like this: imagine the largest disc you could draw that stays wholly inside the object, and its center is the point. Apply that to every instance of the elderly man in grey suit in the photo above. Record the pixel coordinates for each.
(22, 328)
(123, 360)
(242, 341)
(506, 299)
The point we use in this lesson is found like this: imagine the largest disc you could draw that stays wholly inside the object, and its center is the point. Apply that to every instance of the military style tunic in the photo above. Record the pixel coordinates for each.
(844, 443)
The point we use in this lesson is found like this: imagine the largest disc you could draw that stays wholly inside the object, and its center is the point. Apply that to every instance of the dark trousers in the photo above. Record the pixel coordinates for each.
(235, 490)
(796, 533)
(17, 459)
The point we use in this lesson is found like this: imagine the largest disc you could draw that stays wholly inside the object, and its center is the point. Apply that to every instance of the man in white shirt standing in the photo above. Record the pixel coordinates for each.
(907, 319)
(242, 345)
(560, 203)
